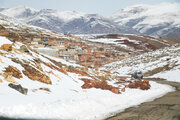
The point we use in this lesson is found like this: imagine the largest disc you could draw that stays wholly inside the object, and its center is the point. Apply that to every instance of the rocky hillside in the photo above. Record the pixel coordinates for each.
(36, 86)
(131, 43)
(20, 64)
(66, 21)
(15, 29)
(157, 20)
(165, 59)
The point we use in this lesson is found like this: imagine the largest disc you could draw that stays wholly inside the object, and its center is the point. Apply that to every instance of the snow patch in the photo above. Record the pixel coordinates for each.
(95, 104)
(4, 40)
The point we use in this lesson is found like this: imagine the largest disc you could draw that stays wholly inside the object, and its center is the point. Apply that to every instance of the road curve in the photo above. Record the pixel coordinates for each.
(163, 108)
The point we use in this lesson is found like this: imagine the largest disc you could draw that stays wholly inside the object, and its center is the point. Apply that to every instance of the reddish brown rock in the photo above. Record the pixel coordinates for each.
(87, 84)
(7, 47)
(35, 74)
(115, 90)
(99, 84)
(11, 70)
(123, 89)
(144, 85)
(54, 67)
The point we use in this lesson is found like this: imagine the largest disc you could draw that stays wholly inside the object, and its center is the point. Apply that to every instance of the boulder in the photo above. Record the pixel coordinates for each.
(115, 90)
(143, 85)
(6, 47)
(19, 88)
(123, 89)
(99, 84)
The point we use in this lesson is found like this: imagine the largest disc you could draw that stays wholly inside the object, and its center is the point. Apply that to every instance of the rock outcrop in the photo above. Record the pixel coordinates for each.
(8, 78)
(35, 74)
(19, 88)
(45, 89)
(6, 47)
(140, 84)
(99, 84)
(11, 70)
(55, 67)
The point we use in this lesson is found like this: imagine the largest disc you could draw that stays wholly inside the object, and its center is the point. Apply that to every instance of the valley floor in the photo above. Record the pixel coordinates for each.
(164, 108)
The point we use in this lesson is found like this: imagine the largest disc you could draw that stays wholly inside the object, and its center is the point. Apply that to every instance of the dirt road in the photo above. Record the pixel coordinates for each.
(164, 108)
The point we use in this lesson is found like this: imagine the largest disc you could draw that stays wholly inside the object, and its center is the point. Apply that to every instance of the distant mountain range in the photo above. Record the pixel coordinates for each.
(67, 21)
(156, 20)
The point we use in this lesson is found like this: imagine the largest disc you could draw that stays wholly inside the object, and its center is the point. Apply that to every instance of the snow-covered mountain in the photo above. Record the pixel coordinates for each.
(19, 12)
(66, 21)
(18, 30)
(14, 25)
(156, 20)
(36, 86)
(159, 20)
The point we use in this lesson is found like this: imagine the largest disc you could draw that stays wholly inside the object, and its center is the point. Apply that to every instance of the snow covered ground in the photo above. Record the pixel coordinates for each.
(92, 38)
(172, 75)
(146, 62)
(166, 59)
(131, 42)
(93, 104)
(67, 100)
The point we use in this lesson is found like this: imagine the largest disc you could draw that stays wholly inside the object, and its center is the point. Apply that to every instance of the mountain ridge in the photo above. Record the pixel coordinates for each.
(155, 20)
(72, 22)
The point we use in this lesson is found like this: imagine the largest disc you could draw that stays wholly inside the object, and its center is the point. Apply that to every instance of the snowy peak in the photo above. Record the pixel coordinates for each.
(148, 10)
(20, 11)
(63, 15)
(67, 21)
(156, 20)
(127, 12)
(159, 20)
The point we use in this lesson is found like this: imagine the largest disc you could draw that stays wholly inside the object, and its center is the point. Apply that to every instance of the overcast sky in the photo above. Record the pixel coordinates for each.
(102, 7)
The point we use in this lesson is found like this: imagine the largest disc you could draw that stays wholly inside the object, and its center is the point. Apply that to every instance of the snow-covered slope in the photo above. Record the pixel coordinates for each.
(13, 24)
(164, 63)
(18, 30)
(129, 42)
(55, 87)
(156, 20)
(160, 20)
(19, 12)
(66, 21)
